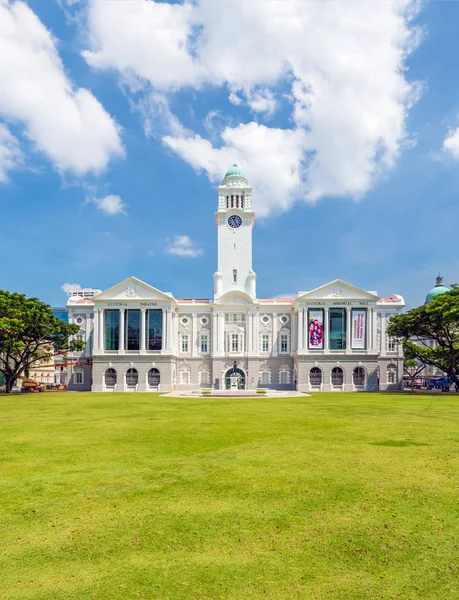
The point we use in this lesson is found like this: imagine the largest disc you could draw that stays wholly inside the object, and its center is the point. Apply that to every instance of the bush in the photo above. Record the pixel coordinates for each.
(262, 391)
(206, 392)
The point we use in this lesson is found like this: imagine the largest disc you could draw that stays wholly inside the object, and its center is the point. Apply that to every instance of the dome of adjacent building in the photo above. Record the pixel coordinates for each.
(437, 290)
(235, 171)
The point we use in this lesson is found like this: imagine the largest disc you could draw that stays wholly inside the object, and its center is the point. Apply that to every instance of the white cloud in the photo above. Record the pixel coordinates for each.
(451, 143)
(262, 101)
(182, 245)
(148, 39)
(157, 116)
(342, 62)
(68, 288)
(110, 205)
(68, 125)
(276, 176)
(11, 156)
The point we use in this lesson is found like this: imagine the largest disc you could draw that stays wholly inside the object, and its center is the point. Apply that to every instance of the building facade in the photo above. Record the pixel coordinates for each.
(139, 338)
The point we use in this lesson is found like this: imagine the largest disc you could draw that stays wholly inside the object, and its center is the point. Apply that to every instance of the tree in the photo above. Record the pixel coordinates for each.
(437, 322)
(29, 335)
(412, 366)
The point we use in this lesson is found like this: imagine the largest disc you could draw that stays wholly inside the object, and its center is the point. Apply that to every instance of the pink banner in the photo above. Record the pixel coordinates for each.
(359, 318)
(316, 329)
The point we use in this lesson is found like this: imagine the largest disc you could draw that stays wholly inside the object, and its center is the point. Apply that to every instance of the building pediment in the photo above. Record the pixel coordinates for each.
(132, 289)
(338, 290)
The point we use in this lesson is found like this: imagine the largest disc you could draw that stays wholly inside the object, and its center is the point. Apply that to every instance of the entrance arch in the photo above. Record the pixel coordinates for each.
(241, 379)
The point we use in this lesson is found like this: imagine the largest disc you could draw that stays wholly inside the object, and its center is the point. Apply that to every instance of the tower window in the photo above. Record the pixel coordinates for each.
(234, 275)
(232, 201)
(234, 342)
(242, 201)
(234, 317)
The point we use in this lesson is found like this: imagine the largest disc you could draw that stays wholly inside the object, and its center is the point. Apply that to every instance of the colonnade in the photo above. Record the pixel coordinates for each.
(370, 325)
(167, 329)
(298, 331)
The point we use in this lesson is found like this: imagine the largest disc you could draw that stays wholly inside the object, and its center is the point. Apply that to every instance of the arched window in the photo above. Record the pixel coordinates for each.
(204, 375)
(132, 377)
(110, 377)
(185, 375)
(154, 377)
(315, 376)
(232, 201)
(391, 373)
(337, 376)
(242, 201)
(227, 201)
(359, 376)
(284, 374)
(264, 376)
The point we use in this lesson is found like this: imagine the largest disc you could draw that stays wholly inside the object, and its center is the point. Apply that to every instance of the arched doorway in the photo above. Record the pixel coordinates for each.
(241, 380)
(154, 378)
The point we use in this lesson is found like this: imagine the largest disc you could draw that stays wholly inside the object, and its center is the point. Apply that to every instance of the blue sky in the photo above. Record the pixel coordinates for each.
(117, 120)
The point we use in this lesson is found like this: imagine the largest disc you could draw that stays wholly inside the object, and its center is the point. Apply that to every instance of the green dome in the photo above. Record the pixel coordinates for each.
(235, 171)
(437, 290)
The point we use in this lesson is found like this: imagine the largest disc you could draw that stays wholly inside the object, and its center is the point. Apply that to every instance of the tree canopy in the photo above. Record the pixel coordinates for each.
(430, 333)
(30, 334)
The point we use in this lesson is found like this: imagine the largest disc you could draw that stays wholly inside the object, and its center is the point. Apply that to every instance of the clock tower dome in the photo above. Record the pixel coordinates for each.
(235, 221)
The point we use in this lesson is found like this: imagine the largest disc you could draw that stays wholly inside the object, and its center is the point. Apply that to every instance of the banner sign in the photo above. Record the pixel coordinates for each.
(358, 325)
(316, 329)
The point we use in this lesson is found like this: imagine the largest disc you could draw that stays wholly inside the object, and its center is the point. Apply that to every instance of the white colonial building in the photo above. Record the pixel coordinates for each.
(139, 338)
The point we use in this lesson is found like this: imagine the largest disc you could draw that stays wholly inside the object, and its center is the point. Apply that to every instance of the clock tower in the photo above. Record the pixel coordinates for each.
(235, 221)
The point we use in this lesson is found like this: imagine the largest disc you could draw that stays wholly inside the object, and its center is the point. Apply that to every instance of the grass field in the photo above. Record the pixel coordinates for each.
(334, 496)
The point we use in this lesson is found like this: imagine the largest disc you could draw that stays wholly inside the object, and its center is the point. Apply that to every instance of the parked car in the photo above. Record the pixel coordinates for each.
(442, 383)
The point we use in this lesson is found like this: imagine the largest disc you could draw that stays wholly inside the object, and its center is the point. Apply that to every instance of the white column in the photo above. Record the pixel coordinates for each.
(173, 334)
(101, 329)
(256, 333)
(304, 328)
(221, 333)
(214, 333)
(368, 329)
(348, 329)
(275, 331)
(300, 329)
(383, 334)
(122, 314)
(95, 335)
(194, 335)
(87, 334)
(249, 333)
(294, 333)
(143, 329)
(169, 330)
(163, 329)
(374, 326)
(326, 330)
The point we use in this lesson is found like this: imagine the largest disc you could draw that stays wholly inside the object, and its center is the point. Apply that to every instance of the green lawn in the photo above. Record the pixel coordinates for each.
(334, 496)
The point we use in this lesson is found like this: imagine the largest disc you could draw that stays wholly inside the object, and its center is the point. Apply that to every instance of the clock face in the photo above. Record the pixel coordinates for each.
(235, 221)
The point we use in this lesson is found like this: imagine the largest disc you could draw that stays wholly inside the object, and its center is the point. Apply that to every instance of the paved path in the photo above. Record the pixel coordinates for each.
(197, 394)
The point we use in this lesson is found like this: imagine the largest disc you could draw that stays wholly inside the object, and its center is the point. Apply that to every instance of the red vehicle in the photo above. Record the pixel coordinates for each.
(29, 385)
